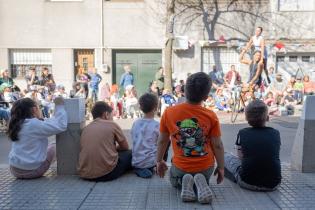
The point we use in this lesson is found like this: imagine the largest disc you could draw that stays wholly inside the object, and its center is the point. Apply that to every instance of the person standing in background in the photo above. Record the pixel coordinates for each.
(127, 78)
(94, 83)
(83, 79)
(159, 78)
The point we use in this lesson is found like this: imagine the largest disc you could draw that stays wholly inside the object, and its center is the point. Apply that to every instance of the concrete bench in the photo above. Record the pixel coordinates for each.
(303, 151)
(68, 142)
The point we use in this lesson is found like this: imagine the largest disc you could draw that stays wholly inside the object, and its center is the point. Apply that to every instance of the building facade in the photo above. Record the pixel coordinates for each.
(67, 34)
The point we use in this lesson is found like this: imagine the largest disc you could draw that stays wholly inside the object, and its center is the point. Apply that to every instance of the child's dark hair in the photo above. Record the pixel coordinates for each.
(99, 108)
(197, 87)
(148, 102)
(21, 110)
(256, 113)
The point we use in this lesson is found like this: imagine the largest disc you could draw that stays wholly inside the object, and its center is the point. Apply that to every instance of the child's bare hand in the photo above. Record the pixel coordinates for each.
(59, 101)
(220, 172)
(161, 168)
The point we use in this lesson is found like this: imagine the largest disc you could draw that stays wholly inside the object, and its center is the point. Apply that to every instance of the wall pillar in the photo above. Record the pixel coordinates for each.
(68, 142)
(303, 155)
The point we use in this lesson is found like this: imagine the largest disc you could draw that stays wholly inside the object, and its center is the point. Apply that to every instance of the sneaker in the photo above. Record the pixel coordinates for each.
(203, 189)
(188, 194)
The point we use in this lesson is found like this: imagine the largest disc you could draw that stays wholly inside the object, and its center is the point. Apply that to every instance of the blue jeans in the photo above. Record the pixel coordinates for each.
(93, 94)
(5, 113)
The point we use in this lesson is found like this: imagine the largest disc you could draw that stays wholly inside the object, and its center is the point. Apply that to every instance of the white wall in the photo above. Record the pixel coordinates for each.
(132, 25)
(46, 24)
(4, 58)
(62, 68)
(292, 24)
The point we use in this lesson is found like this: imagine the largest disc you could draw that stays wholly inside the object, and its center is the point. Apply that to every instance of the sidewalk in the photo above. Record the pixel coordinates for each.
(297, 191)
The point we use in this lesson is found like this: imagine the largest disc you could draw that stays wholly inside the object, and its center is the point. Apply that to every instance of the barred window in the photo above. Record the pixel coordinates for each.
(306, 59)
(280, 58)
(21, 60)
(293, 58)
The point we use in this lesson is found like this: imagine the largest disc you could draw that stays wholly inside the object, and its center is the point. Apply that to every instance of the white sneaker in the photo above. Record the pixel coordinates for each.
(188, 194)
(203, 189)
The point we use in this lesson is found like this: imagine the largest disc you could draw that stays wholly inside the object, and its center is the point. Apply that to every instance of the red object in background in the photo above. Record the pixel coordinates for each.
(279, 45)
(222, 39)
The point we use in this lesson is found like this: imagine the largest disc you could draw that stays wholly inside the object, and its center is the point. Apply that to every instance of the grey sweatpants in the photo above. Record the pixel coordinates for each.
(176, 175)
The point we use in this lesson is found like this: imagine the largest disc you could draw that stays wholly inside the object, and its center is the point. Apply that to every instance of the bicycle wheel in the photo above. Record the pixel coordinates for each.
(235, 108)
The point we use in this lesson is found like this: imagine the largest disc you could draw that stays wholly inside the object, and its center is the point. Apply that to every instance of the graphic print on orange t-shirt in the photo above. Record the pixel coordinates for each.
(190, 138)
(191, 129)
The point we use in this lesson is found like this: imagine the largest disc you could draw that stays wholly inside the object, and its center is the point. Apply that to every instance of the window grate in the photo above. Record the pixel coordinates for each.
(21, 60)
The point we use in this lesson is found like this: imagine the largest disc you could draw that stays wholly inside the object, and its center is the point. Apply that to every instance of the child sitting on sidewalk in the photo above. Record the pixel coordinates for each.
(144, 133)
(104, 150)
(257, 164)
(30, 155)
(131, 102)
(195, 135)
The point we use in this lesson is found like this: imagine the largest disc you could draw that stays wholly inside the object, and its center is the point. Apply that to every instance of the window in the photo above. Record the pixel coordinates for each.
(224, 56)
(280, 58)
(306, 59)
(293, 58)
(296, 5)
(22, 60)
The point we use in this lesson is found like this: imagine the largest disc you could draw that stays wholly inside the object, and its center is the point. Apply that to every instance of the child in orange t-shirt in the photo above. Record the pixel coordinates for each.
(195, 136)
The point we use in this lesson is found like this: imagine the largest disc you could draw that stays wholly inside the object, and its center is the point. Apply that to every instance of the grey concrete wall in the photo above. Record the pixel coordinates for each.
(236, 26)
(292, 24)
(68, 142)
(62, 67)
(302, 156)
(132, 25)
(135, 25)
(239, 26)
(4, 58)
(46, 24)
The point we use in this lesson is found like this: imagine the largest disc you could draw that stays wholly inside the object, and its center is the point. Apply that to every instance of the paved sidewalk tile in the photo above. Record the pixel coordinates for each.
(50, 192)
(297, 191)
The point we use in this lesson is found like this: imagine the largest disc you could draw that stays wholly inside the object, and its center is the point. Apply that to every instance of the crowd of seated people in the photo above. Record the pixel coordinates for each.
(280, 95)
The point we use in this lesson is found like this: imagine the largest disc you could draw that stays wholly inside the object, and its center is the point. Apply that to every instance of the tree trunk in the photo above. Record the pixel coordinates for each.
(168, 64)
(169, 34)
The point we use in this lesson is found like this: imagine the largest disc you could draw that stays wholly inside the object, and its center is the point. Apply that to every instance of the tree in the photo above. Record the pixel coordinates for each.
(235, 19)
(169, 34)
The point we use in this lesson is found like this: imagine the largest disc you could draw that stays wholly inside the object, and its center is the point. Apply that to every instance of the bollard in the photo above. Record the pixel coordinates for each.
(303, 151)
(68, 142)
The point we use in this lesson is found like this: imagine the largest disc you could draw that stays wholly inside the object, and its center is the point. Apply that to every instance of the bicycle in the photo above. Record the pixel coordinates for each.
(237, 101)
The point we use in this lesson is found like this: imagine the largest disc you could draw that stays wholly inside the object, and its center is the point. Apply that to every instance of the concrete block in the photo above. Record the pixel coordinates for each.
(75, 108)
(309, 108)
(303, 155)
(68, 149)
(68, 142)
